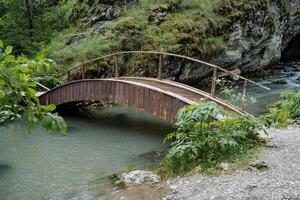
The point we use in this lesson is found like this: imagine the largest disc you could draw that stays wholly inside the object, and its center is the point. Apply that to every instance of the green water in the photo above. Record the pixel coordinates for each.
(43, 166)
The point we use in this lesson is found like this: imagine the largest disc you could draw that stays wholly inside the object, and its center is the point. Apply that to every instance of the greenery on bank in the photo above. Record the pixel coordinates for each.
(28, 25)
(285, 111)
(205, 137)
(198, 28)
(18, 91)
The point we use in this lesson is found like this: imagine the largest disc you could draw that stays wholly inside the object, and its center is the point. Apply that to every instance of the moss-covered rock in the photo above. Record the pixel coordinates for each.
(248, 35)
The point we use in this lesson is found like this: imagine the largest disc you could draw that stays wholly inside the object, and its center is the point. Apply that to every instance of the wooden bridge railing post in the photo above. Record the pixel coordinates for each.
(160, 63)
(83, 71)
(244, 94)
(214, 82)
(117, 66)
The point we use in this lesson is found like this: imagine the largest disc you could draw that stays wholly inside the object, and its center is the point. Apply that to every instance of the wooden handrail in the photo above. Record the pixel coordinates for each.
(160, 55)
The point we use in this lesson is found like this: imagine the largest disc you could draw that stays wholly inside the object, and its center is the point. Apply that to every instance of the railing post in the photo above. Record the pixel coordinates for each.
(213, 82)
(244, 94)
(117, 66)
(160, 63)
(83, 71)
(69, 75)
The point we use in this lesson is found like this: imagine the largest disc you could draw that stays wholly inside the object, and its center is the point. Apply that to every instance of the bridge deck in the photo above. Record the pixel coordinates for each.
(185, 91)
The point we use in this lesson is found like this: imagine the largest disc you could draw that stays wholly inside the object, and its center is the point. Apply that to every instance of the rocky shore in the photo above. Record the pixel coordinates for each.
(280, 180)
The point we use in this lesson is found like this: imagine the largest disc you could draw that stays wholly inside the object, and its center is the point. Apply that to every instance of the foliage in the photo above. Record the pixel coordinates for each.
(197, 28)
(18, 91)
(205, 137)
(285, 111)
(28, 24)
(187, 27)
(48, 81)
(233, 94)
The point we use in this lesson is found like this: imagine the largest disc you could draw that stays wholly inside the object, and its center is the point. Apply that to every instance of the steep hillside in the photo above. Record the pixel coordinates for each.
(248, 35)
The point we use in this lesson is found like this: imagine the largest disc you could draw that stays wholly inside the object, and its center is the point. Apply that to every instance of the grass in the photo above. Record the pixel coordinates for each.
(189, 27)
(197, 28)
(237, 163)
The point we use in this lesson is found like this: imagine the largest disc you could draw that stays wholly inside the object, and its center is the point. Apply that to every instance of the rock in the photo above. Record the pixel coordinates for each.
(259, 165)
(298, 79)
(279, 82)
(224, 166)
(140, 177)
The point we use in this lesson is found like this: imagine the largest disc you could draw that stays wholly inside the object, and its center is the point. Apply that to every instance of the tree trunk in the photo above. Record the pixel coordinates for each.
(29, 17)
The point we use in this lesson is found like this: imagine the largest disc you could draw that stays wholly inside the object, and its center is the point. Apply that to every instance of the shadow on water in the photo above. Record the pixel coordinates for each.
(5, 169)
(120, 117)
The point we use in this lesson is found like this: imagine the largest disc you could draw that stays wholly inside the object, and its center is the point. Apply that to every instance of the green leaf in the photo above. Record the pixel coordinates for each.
(49, 108)
(1, 44)
(8, 50)
(39, 56)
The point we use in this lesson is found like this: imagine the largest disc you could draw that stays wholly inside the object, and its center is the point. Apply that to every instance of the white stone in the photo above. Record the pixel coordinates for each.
(140, 177)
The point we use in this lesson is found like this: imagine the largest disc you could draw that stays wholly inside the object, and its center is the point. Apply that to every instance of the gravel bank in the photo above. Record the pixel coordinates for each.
(280, 181)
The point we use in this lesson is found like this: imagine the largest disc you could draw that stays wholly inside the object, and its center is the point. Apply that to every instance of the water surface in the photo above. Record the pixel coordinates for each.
(43, 166)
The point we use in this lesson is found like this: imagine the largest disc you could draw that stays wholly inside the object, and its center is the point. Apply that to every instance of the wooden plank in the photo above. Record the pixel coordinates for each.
(127, 94)
(175, 107)
(98, 90)
(168, 107)
(112, 93)
(131, 96)
(151, 101)
(146, 97)
(117, 101)
(162, 109)
(140, 98)
(124, 100)
(156, 103)
(135, 97)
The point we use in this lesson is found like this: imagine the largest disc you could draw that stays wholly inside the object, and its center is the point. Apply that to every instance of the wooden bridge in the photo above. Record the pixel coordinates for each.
(163, 98)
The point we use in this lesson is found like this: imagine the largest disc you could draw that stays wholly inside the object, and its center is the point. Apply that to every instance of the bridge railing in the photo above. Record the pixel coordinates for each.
(215, 69)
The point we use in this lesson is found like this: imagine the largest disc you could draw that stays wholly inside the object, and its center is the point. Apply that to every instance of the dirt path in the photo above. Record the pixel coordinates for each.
(280, 181)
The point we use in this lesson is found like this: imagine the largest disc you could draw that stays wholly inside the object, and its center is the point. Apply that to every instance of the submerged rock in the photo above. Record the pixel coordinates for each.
(140, 177)
(280, 82)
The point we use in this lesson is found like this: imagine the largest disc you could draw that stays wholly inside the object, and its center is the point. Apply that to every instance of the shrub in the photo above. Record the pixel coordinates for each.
(201, 139)
(285, 111)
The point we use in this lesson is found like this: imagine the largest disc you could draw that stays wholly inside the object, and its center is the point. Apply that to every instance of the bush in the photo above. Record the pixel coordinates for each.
(285, 111)
(201, 139)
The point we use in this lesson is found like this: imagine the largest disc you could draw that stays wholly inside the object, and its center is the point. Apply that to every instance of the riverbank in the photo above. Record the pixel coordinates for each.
(280, 181)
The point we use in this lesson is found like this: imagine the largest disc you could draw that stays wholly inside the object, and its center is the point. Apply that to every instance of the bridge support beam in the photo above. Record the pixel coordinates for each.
(160, 63)
(214, 82)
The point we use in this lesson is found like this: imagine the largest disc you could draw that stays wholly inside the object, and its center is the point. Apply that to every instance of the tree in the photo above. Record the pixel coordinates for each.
(29, 24)
(18, 91)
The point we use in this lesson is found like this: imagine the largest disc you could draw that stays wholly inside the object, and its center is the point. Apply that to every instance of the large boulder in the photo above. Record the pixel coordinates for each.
(140, 177)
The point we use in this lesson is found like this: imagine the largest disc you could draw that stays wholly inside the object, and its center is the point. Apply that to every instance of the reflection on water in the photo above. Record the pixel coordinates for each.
(43, 166)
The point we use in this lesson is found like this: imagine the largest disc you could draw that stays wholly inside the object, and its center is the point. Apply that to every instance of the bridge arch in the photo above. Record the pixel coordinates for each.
(163, 104)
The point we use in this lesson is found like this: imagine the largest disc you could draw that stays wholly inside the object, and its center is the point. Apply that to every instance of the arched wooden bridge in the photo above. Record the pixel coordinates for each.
(163, 98)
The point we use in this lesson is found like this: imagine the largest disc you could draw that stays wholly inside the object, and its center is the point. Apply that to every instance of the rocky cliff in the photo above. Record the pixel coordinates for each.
(248, 35)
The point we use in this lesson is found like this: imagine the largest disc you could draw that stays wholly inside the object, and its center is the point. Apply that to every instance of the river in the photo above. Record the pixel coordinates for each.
(42, 166)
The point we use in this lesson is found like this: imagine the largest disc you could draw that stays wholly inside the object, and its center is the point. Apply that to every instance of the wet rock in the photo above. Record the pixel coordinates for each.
(280, 82)
(298, 79)
(140, 177)
(259, 165)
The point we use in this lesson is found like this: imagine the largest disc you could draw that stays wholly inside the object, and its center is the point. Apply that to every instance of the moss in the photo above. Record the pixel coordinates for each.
(198, 28)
